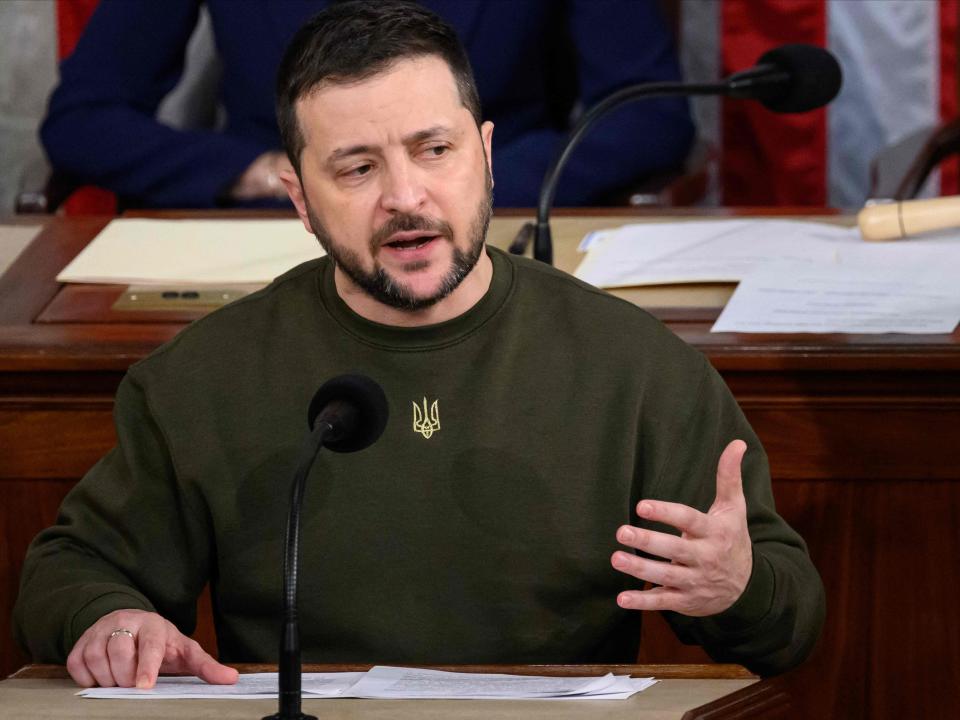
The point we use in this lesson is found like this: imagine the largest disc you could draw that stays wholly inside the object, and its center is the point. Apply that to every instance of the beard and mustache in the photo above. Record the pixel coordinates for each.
(383, 287)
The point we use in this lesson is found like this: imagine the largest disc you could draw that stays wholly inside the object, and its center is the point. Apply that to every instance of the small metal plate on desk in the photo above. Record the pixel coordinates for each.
(153, 298)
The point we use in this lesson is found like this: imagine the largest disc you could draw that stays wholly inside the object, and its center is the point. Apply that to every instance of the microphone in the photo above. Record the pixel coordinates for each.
(897, 220)
(348, 413)
(355, 409)
(787, 79)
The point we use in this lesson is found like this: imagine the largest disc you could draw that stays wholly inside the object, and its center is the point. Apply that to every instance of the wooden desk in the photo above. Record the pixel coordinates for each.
(684, 692)
(863, 434)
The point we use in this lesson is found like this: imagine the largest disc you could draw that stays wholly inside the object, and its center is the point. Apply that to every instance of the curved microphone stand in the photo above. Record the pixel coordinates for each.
(787, 79)
(542, 238)
(289, 660)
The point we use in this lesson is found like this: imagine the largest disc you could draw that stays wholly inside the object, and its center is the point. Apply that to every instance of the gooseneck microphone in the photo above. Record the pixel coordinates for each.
(348, 413)
(787, 79)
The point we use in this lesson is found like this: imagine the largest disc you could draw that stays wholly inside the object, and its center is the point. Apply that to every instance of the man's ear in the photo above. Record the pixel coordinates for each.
(486, 136)
(295, 190)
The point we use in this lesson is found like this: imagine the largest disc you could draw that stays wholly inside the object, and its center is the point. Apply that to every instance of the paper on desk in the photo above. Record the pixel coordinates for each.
(134, 251)
(395, 682)
(392, 683)
(249, 686)
(703, 251)
(909, 287)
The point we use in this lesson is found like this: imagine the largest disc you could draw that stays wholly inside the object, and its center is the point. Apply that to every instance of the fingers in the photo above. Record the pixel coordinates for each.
(78, 668)
(656, 599)
(685, 518)
(94, 658)
(199, 663)
(709, 565)
(102, 656)
(151, 650)
(655, 543)
(122, 658)
(653, 571)
(729, 478)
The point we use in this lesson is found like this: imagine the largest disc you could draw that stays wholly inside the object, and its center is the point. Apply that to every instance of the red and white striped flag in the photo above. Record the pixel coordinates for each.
(899, 76)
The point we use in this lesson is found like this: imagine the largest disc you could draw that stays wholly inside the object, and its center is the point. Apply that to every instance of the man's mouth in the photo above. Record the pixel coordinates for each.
(410, 240)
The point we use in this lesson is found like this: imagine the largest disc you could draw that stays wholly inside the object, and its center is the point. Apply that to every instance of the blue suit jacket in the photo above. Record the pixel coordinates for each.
(101, 129)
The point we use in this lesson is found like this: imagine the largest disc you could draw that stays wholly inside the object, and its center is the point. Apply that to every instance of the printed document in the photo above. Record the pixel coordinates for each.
(256, 686)
(394, 682)
(907, 287)
(703, 251)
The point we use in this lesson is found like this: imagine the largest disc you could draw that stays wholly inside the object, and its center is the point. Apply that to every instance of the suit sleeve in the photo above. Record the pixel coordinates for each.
(775, 623)
(618, 43)
(100, 127)
(130, 535)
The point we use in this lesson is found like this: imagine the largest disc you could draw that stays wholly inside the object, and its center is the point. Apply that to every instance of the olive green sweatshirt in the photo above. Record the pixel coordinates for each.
(478, 529)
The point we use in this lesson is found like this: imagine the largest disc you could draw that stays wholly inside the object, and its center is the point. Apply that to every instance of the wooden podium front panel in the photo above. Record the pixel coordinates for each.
(861, 432)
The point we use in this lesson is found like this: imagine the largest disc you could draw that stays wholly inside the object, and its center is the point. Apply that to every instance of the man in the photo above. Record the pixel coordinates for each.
(531, 415)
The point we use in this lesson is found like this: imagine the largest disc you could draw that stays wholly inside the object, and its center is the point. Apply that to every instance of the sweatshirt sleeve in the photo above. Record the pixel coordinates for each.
(617, 44)
(128, 536)
(100, 126)
(775, 623)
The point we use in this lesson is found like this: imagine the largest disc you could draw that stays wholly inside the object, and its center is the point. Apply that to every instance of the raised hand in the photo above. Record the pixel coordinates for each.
(132, 647)
(708, 566)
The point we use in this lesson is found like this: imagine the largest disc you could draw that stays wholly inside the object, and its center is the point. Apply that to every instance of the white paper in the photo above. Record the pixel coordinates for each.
(393, 683)
(703, 251)
(623, 688)
(249, 686)
(133, 251)
(912, 287)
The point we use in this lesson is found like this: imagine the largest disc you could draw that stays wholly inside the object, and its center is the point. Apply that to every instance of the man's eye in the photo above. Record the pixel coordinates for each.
(436, 150)
(359, 170)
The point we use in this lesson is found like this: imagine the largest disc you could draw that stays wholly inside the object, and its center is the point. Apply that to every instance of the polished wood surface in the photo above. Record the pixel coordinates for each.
(862, 431)
(684, 692)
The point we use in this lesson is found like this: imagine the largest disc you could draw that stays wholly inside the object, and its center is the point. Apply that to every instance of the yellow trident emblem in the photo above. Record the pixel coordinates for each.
(426, 422)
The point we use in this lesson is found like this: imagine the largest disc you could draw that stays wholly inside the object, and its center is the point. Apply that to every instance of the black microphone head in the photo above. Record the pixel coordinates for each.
(815, 78)
(364, 415)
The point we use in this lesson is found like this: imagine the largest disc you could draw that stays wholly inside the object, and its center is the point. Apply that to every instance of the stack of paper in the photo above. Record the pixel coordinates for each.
(703, 251)
(395, 683)
(133, 251)
(908, 287)
(794, 277)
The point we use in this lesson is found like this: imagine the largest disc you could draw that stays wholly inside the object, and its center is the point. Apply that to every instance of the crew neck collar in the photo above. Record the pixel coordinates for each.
(423, 336)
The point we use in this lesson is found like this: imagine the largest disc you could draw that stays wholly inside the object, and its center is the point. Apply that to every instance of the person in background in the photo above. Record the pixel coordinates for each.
(536, 62)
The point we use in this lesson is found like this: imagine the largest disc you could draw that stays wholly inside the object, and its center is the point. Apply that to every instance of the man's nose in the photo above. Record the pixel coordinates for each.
(403, 188)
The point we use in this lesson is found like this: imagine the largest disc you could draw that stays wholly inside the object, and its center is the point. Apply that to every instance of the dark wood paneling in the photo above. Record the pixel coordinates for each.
(887, 552)
(882, 439)
(52, 443)
(27, 506)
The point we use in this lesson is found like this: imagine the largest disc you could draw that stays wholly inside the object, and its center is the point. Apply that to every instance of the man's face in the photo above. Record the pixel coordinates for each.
(395, 181)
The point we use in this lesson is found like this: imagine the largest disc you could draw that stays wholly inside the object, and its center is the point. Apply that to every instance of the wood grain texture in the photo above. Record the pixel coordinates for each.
(28, 506)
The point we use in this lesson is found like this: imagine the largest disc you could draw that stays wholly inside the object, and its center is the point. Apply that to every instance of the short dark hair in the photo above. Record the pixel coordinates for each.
(355, 40)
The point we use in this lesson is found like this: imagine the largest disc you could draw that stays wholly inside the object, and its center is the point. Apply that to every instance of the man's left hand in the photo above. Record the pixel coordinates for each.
(708, 566)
